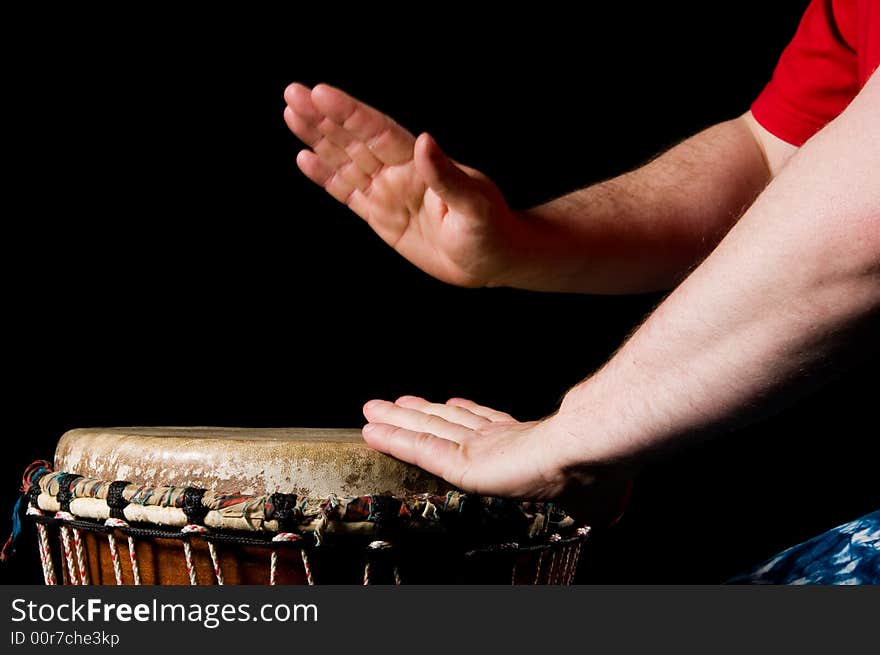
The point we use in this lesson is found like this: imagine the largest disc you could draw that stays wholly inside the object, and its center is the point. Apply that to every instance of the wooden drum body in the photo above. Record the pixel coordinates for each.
(277, 506)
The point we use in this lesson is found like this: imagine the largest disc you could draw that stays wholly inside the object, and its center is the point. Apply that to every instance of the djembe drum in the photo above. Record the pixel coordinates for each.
(276, 506)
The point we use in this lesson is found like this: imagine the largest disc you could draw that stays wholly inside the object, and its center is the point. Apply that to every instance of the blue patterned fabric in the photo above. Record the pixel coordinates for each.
(847, 555)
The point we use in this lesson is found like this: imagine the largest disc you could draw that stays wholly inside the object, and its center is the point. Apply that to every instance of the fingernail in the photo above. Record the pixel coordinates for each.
(369, 427)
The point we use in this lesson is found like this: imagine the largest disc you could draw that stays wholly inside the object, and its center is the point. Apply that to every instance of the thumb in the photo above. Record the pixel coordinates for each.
(455, 187)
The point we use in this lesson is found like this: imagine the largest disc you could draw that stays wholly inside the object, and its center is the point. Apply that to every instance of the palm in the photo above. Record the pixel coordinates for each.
(480, 449)
(398, 184)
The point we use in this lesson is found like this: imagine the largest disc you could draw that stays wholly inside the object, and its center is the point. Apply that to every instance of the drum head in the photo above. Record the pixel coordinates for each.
(312, 463)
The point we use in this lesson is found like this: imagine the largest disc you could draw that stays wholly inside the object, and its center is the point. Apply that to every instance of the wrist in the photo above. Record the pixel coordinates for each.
(583, 442)
(515, 249)
(600, 429)
(543, 253)
(596, 484)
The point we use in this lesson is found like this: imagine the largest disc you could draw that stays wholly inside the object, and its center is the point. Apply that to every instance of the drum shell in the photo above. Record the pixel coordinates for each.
(425, 560)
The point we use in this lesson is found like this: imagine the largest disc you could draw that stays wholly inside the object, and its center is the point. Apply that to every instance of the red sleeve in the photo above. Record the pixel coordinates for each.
(815, 79)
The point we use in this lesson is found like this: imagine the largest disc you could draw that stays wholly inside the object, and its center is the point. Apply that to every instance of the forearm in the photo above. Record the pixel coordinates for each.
(644, 230)
(790, 289)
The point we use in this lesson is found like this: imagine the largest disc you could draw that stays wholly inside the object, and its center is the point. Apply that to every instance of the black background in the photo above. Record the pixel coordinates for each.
(166, 263)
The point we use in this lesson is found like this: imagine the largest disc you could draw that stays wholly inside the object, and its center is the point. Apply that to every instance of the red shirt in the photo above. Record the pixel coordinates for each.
(832, 55)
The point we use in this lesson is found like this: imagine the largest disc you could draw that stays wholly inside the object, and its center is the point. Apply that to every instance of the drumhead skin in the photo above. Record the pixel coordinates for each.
(309, 462)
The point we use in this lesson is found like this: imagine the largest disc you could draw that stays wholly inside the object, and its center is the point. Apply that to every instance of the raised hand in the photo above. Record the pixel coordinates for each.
(480, 449)
(449, 220)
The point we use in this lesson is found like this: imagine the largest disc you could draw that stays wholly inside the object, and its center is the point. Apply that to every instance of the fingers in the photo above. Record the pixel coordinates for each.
(453, 414)
(387, 140)
(319, 172)
(455, 187)
(381, 411)
(302, 128)
(487, 412)
(434, 454)
(369, 137)
(299, 99)
(310, 125)
(304, 121)
(357, 142)
(355, 149)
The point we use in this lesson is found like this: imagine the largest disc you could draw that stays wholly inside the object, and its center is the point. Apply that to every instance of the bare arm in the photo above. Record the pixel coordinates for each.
(638, 232)
(792, 287)
(645, 230)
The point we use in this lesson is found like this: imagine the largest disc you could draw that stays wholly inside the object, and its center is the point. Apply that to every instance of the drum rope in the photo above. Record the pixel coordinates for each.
(43, 547)
(132, 556)
(553, 538)
(114, 552)
(68, 555)
(212, 551)
(571, 564)
(583, 534)
(80, 557)
(564, 558)
(574, 562)
(273, 568)
(307, 567)
(114, 558)
(192, 528)
(216, 562)
(78, 549)
(190, 569)
(538, 567)
(273, 558)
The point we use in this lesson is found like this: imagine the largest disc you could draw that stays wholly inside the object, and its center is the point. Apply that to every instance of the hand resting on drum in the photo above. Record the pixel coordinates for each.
(481, 449)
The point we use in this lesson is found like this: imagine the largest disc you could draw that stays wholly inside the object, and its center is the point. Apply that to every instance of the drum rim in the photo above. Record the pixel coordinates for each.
(305, 435)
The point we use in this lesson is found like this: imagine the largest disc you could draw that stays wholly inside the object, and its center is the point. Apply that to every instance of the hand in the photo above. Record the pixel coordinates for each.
(449, 220)
(479, 449)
